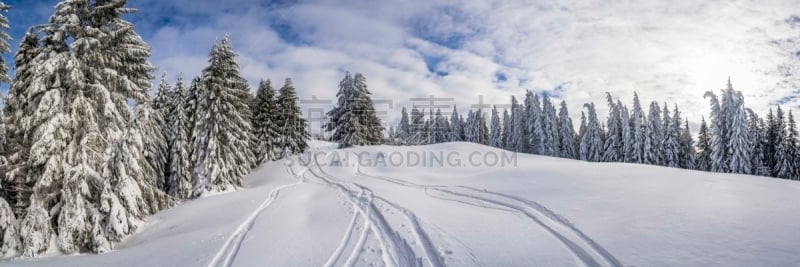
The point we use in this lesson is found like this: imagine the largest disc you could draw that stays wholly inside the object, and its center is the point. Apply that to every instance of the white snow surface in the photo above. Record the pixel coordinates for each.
(542, 212)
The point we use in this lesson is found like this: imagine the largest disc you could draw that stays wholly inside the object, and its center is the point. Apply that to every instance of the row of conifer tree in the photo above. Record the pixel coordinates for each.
(736, 141)
(86, 154)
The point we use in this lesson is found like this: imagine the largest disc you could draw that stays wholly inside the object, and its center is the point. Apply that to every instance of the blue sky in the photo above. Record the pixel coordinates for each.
(464, 49)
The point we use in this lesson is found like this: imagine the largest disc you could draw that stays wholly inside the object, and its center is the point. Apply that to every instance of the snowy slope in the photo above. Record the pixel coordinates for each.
(541, 212)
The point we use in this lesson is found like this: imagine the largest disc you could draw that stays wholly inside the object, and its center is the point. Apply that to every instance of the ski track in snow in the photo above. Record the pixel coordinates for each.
(228, 252)
(579, 244)
(396, 250)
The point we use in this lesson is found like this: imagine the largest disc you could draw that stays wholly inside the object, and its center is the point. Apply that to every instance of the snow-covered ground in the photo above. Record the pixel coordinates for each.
(323, 209)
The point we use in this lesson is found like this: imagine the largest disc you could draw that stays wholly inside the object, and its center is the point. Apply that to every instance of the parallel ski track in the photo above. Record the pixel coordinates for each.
(589, 252)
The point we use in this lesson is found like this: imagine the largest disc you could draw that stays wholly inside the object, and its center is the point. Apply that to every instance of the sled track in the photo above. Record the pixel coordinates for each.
(579, 244)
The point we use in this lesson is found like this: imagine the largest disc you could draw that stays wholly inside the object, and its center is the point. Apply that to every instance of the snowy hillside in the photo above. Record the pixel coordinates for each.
(328, 211)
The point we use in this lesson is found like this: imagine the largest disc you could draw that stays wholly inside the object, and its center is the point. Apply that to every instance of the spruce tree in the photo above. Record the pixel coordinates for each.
(162, 104)
(782, 168)
(495, 139)
(566, 135)
(291, 121)
(549, 128)
(652, 142)
(687, 148)
(533, 122)
(757, 144)
(739, 139)
(404, 129)
(719, 149)
(456, 126)
(591, 144)
(614, 142)
(519, 138)
(638, 125)
(505, 135)
(704, 147)
(180, 166)
(90, 65)
(266, 131)
(222, 155)
(627, 133)
(671, 137)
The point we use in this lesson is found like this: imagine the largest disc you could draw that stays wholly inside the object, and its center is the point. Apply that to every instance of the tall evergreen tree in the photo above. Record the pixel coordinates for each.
(757, 144)
(703, 160)
(266, 130)
(627, 133)
(671, 137)
(739, 144)
(403, 131)
(533, 122)
(180, 166)
(518, 136)
(614, 142)
(456, 127)
(549, 128)
(719, 149)
(653, 135)
(162, 105)
(354, 121)
(782, 168)
(591, 145)
(769, 150)
(506, 136)
(688, 152)
(292, 123)
(222, 155)
(495, 139)
(568, 147)
(638, 125)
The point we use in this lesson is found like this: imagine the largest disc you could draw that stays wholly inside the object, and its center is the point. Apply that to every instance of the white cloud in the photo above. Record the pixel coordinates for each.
(667, 51)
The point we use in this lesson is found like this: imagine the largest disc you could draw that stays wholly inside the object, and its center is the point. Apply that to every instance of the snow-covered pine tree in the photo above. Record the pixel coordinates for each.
(614, 142)
(470, 133)
(417, 127)
(519, 137)
(353, 120)
(291, 121)
(687, 148)
(782, 168)
(403, 128)
(740, 146)
(505, 135)
(429, 128)
(495, 139)
(638, 125)
(591, 144)
(442, 127)
(671, 137)
(755, 127)
(549, 128)
(770, 133)
(456, 126)
(652, 147)
(180, 166)
(791, 146)
(222, 155)
(9, 238)
(162, 104)
(627, 133)
(719, 146)
(266, 132)
(90, 65)
(566, 134)
(533, 122)
(704, 147)
(582, 146)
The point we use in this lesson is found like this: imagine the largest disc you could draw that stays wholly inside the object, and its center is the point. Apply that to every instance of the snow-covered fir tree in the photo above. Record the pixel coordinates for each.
(638, 125)
(719, 147)
(652, 142)
(180, 166)
(456, 126)
(353, 121)
(769, 150)
(533, 122)
(757, 145)
(495, 139)
(613, 142)
(739, 146)
(417, 127)
(293, 125)
(671, 137)
(519, 138)
(591, 143)
(704, 147)
(403, 130)
(505, 136)
(566, 134)
(782, 168)
(688, 153)
(266, 131)
(77, 118)
(627, 133)
(549, 128)
(162, 104)
(222, 155)
(440, 128)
